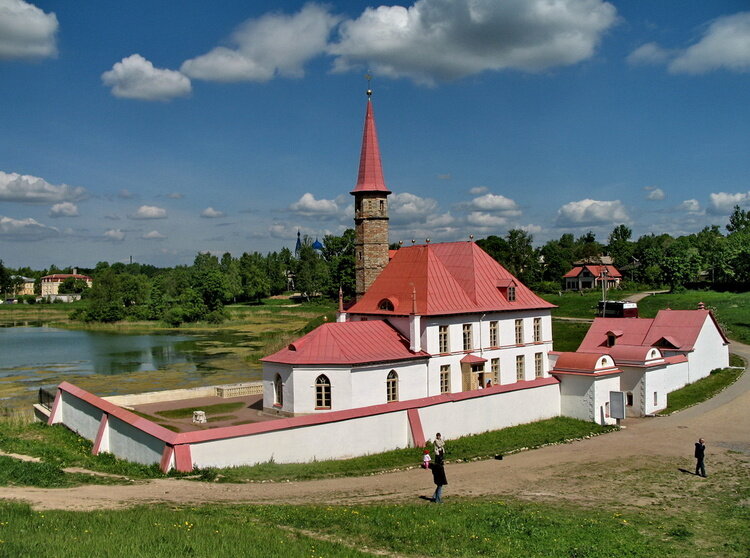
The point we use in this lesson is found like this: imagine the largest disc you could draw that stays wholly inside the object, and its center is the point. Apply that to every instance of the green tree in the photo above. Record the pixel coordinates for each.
(619, 246)
(523, 260)
(105, 299)
(72, 285)
(5, 281)
(311, 273)
(230, 267)
(739, 220)
(558, 257)
(680, 263)
(338, 253)
(710, 244)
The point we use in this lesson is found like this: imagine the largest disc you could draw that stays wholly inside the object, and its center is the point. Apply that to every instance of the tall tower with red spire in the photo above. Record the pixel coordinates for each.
(370, 209)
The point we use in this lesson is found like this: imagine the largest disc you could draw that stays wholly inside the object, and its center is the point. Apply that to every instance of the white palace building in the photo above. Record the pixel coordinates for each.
(441, 338)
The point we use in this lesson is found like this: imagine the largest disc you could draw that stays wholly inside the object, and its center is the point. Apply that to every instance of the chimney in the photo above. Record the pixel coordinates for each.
(341, 315)
(415, 329)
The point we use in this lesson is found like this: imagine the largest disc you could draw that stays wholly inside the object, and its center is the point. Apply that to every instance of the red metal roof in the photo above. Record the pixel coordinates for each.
(370, 178)
(680, 328)
(595, 270)
(347, 343)
(473, 359)
(57, 277)
(449, 278)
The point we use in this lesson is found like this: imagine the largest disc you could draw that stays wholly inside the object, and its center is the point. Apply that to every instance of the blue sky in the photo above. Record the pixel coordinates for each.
(156, 130)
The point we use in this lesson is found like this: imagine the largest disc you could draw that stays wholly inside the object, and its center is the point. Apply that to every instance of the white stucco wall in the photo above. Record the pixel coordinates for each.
(335, 440)
(78, 415)
(709, 352)
(125, 439)
(602, 386)
(577, 396)
(631, 381)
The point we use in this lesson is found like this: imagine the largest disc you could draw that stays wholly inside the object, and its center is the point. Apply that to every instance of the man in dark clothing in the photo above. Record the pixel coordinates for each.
(438, 477)
(700, 452)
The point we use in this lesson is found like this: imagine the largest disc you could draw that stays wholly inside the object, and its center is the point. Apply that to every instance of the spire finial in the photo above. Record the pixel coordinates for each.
(368, 77)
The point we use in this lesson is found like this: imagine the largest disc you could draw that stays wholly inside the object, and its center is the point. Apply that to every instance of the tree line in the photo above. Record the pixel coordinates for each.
(706, 258)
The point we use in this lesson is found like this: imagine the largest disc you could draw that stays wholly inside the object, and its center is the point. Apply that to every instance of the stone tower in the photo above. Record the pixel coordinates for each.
(370, 209)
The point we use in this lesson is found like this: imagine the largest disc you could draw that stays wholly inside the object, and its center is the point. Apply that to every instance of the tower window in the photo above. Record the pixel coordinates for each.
(278, 392)
(382, 206)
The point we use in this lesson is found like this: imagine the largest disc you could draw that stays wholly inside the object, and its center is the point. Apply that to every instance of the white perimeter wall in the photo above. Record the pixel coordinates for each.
(577, 397)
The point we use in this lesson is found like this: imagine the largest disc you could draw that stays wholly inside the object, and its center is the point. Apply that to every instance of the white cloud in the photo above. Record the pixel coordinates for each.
(408, 207)
(443, 40)
(482, 219)
(211, 213)
(279, 230)
(440, 220)
(690, 206)
(496, 202)
(654, 193)
(274, 44)
(149, 212)
(724, 45)
(153, 235)
(722, 203)
(26, 31)
(114, 235)
(531, 229)
(32, 189)
(649, 54)
(476, 190)
(308, 205)
(25, 229)
(136, 78)
(591, 212)
(64, 209)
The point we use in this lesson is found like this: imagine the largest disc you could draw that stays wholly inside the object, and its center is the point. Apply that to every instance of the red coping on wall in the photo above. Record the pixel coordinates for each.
(415, 423)
(100, 434)
(55, 407)
(176, 439)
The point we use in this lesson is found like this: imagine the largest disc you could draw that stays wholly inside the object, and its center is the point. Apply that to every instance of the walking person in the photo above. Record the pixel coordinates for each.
(700, 452)
(438, 477)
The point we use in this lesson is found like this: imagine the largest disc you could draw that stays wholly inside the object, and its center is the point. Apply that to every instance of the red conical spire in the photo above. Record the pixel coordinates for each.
(370, 177)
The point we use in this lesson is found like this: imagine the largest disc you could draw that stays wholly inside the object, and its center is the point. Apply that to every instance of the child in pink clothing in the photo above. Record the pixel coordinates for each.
(426, 459)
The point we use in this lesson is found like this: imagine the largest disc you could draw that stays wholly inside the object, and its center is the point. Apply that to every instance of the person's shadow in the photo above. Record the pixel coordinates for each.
(686, 471)
(426, 498)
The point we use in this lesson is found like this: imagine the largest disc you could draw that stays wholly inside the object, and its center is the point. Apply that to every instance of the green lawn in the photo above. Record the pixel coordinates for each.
(704, 389)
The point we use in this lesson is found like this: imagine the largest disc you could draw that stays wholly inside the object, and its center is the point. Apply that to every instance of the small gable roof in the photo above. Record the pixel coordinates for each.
(595, 270)
(448, 278)
(347, 343)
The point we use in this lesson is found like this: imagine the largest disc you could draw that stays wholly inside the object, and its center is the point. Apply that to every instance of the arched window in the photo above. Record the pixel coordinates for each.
(278, 392)
(385, 304)
(391, 386)
(322, 392)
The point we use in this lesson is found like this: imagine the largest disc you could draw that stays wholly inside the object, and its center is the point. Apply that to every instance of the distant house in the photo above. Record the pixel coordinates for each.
(51, 283)
(590, 274)
(25, 285)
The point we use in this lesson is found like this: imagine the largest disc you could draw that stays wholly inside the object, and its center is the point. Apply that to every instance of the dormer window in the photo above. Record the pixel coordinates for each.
(507, 288)
(386, 304)
(611, 339)
(511, 294)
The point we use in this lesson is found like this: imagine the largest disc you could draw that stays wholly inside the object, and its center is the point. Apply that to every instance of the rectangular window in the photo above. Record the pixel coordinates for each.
(519, 332)
(445, 378)
(520, 368)
(656, 398)
(538, 371)
(468, 341)
(537, 330)
(495, 369)
(511, 294)
(493, 334)
(443, 339)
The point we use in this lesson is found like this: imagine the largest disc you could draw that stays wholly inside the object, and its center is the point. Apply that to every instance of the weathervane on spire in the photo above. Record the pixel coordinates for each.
(368, 77)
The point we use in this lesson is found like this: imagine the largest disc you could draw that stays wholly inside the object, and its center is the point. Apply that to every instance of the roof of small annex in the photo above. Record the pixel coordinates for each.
(370, 177)
(595, 270)
(347, 343)
(448, 278)
(679, 329)
(582, 362)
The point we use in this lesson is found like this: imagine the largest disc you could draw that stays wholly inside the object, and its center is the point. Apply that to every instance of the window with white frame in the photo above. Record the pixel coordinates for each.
(443, 346)
(537, 330)
(468, 341)
(511, 294)
(519, 332)
(322, 392)
(495, 369)
(391, 386)
(520, 368)
(493, 334)
(445, 378)
(538, 369)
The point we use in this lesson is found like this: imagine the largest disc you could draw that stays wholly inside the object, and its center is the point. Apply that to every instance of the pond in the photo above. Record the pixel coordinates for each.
(108, 363)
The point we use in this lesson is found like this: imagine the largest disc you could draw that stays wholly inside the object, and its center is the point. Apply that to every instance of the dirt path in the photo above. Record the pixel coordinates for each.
(582, 471)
